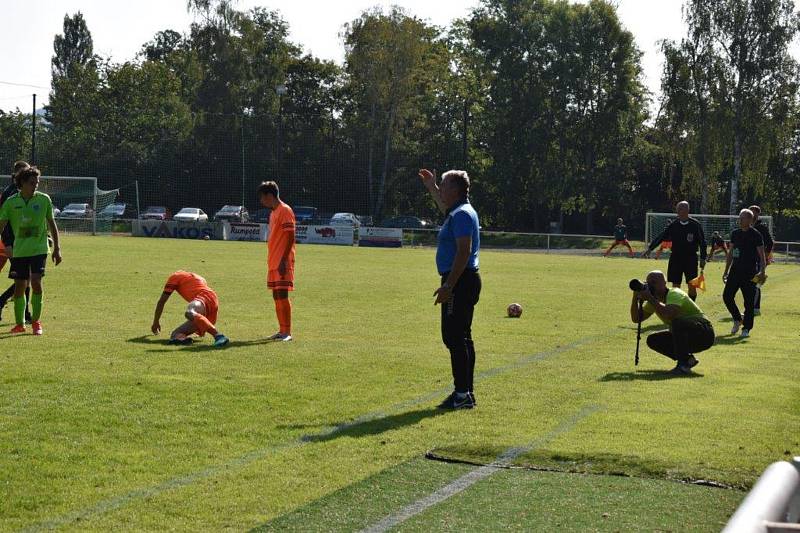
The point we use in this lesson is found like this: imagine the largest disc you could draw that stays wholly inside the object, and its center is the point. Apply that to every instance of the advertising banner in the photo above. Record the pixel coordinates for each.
(169, 229)
(342, 235)
(380, 237)
(240, 231)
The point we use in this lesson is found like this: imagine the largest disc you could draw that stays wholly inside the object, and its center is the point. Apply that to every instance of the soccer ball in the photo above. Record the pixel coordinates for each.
(514, 311)
(206, 238)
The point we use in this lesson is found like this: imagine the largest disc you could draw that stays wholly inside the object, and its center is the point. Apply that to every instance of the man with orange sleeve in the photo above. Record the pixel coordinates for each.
(280, 256)
(201, 313)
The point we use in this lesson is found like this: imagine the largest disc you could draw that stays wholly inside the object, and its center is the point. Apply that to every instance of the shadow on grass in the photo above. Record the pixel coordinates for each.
(374, 426)
(645, 329)
(729, 339)
(150, 340)
(647, 375)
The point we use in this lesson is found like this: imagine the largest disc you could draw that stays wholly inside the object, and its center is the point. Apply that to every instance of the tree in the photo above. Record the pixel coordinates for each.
(392, 60)
(73, 48)
(751, 40)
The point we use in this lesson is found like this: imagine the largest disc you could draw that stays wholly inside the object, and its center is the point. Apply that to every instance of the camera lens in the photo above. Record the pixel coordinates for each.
(636, 285)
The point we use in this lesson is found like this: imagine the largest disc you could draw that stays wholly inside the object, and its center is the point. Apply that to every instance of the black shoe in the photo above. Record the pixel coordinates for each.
(455, 402)
(685, 367)
(474, 400)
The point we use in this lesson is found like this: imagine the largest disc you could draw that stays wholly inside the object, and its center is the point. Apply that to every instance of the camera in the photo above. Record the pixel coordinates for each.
(638, 286)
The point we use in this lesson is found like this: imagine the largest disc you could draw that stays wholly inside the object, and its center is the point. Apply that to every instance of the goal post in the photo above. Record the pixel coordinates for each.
(724, 224)
(79, 202)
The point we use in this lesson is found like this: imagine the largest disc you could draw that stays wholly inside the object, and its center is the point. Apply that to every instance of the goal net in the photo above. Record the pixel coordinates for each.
(79, 202)
(724, 224)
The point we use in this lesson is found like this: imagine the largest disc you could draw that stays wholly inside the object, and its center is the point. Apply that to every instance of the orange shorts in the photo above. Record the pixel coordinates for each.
(276, 282)
(211, 303)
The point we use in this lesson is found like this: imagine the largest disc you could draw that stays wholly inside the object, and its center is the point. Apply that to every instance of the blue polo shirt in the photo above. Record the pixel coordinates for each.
(461, 220)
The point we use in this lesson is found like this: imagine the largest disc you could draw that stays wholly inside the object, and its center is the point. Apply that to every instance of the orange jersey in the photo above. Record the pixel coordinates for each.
(281, 231)
(190, 286)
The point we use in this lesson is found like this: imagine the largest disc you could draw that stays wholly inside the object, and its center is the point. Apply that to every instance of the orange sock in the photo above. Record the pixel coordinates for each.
(203, 325)
(283, 308)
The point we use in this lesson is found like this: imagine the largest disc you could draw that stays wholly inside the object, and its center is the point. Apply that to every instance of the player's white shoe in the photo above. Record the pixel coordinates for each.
(736, 325)
(281, 337)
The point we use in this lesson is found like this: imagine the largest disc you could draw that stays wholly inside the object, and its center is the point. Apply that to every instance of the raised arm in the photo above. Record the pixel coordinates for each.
(429, 180)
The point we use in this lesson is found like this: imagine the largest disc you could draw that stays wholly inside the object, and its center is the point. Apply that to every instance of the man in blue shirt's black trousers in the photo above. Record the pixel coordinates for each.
(457, 263)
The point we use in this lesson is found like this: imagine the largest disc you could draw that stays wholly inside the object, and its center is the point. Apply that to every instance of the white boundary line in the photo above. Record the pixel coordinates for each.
(473, 476)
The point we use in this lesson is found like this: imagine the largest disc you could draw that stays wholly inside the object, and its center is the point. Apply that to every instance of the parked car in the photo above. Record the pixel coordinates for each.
(345, 219)
(76, 211)
(304, 215)
(232, 213)
(156, 212)
(409, 222)
(261, 216)
(190, 214)
(117, 212)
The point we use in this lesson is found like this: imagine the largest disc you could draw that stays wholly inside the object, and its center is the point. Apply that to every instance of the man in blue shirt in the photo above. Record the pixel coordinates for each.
(457, 262)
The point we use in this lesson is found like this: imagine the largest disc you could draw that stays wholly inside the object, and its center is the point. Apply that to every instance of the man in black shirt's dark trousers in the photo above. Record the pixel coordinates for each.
(746, 261)
(687, 237)
(769, 243)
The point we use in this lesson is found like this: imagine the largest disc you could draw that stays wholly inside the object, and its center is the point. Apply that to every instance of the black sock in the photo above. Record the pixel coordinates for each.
(6, 295)
(694, 298)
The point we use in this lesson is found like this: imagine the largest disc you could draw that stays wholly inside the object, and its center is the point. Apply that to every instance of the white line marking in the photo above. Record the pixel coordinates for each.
(473, 476)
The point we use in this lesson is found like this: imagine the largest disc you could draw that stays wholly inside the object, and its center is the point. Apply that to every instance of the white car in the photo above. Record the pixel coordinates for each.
(345, 219)
(191, 214)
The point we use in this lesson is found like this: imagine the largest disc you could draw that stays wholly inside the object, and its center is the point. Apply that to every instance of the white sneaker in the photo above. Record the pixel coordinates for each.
(282, 337)
(745, 333)
(736, 325)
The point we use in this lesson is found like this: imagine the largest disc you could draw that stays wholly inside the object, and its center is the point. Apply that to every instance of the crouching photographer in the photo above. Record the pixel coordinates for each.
(689, 333)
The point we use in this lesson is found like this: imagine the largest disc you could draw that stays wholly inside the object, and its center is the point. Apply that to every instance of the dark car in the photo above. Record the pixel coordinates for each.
(261, 216)
(407, 222)
(156, 212)
(232, 213)
(118, 211)
(304, 214)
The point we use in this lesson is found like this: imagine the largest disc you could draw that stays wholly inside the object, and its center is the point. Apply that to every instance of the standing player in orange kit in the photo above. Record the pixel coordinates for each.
(280, 256)
(201, 313)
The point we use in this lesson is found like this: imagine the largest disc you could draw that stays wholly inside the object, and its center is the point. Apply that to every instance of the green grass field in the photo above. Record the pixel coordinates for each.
(103, 426)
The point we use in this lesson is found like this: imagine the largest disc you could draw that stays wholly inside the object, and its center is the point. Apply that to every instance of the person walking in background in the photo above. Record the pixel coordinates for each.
(457, 264)
(746, 262)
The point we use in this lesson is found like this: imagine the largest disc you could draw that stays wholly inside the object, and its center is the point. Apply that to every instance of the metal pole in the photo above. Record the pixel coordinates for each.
(138, 212)
(94, 207)
(33, 132)
(242, 134)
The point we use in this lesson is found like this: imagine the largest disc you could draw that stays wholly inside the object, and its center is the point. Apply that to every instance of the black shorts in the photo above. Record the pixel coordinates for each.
(23, 267)
(679, 267)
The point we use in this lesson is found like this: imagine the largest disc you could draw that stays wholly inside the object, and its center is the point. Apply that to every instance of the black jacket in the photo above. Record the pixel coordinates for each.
(686, 238)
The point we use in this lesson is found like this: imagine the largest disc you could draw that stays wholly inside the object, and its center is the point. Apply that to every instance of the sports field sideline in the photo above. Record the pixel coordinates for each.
(104, 426)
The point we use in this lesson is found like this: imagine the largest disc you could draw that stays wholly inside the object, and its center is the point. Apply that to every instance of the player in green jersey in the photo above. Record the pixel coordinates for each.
(30, 215)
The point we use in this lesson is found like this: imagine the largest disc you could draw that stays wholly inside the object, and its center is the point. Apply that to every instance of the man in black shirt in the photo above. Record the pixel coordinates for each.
(620, 237)
(687, 236)
(769, 243)
(8, 240)
(746, 262)
(717, 243)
